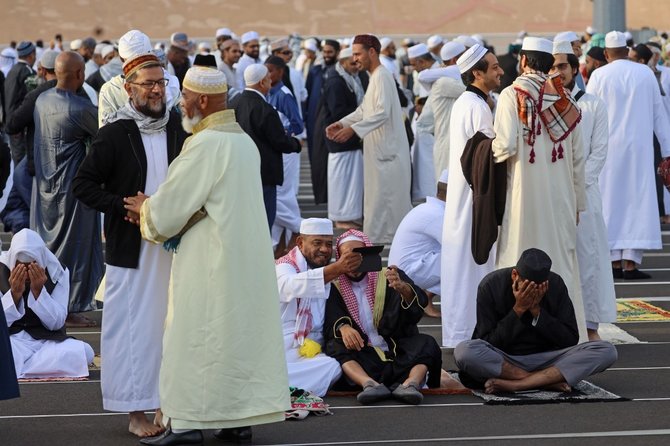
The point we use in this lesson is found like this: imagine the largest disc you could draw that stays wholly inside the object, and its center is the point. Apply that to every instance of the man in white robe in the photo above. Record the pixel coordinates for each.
(545, 169)
(223, 363)
(635, 114)
(36, 291)
(387, 57)
(386, 165)
(417, 245)
(592, 247)
(230, 54)
(460, 273)
(303, 277)
(251, 48)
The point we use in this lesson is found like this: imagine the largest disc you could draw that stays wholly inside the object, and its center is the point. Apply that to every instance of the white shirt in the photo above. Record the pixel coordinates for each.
(365, 314)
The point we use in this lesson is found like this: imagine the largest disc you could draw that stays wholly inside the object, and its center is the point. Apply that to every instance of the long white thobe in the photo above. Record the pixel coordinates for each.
(417, 245)
(345, 185)
(423, 171)
(315, 374)
(592, 248)
(634, 113)
(39, 358)
(543, 198)
(387, 168)
(443, 95)
(460, 274)
(391, 65)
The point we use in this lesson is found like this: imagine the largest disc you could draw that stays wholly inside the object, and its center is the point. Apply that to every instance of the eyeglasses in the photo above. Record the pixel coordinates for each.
(287, 52)
(149, 85)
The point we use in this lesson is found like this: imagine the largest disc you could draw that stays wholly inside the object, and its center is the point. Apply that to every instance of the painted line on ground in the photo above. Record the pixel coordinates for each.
(627, 369)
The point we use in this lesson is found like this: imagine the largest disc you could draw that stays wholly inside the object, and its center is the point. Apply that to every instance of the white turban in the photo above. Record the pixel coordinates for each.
(134, 43)
(255, 73)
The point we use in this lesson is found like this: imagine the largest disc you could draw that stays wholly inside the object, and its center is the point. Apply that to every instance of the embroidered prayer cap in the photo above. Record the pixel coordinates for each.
(444, 176)
(205, 80)
(434, 41)
(567, 36)
(134, 43)
(310, 44)
(75, 44)
(537, 44)
(277, 44)
(344, 54)
(451, 49)
(467, 41)
(597, 53)
(223, 32)
(180, 40)
(368, 40)
(132, 66)
(615, 39)
(28, 246)
(417, 50)
(469, 58)
(562, 47)
(249, 36)
(316, 226)
(384, 42)
(48, 59)
(534, 265)
(25, 48)
(254, 73)
(106, 50)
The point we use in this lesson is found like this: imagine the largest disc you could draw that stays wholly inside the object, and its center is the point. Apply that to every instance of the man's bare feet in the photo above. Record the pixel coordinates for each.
(495, 385)
(78, 320)
(140, 426)
(158, 419)
(593, 335)
(559, 387)
(447, 382)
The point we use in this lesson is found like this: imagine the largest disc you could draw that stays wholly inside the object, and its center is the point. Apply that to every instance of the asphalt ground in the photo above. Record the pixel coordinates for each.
(70, 413)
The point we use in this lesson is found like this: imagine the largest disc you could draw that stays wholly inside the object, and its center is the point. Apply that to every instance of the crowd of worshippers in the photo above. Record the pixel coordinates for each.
(535, 169)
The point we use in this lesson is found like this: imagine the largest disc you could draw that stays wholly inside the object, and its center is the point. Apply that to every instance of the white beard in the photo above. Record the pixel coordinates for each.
(188, 123)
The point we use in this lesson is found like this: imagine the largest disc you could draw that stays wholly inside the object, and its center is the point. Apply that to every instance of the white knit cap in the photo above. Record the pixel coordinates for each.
(106, 49)
(249, 36)
(255, 73)
(478, 38)
(567, 36)
(223, 32)
(451, 50)
(628, 36)
(205, 80)
(385, 42)
(470, 57)
(434, 41)
(615, 39)
(316, 226)
(562, 47)
(75, 44)
(417, 50)
(344, 54)
(444, 176)
(466, 40)
(134, 43)
(310, 44)
(537, 44)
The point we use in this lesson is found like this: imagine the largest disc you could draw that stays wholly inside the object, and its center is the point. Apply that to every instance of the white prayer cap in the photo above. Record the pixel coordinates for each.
(562, 47)
(133, 43)
(479, 38)
(451, 50)
(249, 36)
(628, 36)
(417, 50)
(590, 30)
(537, 44)
(106, 50)
(385, 42)
(350, 238)
(310, 44)
(223, 32)
(345, 53)
(615, 39)
(316, 226)
(98, 48)
(467, 41)
(567, 36)
(75, 44)
(48, 59)
(434, 41)
(254, 73)
(205, 80)
(204, 46)
(444, 176)
(470, 57)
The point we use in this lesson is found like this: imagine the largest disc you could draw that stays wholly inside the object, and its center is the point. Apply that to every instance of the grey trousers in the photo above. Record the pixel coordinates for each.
(482, 361)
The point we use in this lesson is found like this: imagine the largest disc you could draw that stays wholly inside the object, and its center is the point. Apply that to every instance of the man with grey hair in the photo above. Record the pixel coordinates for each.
(87, 48)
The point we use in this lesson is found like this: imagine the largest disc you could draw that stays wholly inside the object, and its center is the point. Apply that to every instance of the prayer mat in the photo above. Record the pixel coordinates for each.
(640, 311)
(303, 403)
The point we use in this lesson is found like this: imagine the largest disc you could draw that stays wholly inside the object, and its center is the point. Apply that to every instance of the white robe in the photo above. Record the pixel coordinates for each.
(635, 113)
(387, 168)
(423, 171)
(287, 217)
(443, 95)
(543, 198)
(345, 185)
(595, 270)
(417, 245)
(135, 309)
(460, 274)
(315, 374)
(391, 65)
(38, 358)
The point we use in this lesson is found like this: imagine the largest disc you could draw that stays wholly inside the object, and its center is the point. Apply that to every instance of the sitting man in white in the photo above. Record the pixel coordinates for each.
(417, 246)
(35, 291)
(304, 276)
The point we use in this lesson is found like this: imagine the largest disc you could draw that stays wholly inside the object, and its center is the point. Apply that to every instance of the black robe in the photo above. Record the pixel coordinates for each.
(9, 386)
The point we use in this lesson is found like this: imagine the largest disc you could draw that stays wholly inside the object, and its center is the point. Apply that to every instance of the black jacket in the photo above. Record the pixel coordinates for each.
(261, 121)
(15, 86)
(337, 101)
(115, 167)
(96, 81)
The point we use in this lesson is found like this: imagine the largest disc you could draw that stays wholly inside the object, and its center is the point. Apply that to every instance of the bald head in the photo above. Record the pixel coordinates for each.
(69, 68)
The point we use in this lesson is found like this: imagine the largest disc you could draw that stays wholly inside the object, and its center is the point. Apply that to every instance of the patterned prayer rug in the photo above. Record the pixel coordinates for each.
(640, 311)
(583, 392)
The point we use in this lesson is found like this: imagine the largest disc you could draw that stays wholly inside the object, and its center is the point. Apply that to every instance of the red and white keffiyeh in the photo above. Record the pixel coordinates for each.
(303, 321)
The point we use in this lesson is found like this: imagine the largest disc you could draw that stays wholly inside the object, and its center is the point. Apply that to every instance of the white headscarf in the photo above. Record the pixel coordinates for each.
(8, 58)
(27, 245)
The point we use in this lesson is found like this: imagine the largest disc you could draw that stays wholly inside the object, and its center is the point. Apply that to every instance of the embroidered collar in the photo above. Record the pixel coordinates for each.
(218, 118)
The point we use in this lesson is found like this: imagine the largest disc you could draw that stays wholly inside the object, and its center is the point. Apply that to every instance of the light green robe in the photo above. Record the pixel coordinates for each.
(223, 357)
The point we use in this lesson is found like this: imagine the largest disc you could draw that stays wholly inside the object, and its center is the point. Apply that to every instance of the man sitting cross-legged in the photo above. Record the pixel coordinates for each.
(304, 276)
(526, 333)
(371, 330)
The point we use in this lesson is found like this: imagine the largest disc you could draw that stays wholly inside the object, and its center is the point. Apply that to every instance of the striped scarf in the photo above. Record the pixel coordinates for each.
(303, 321)
(345, 283)
(557, 110)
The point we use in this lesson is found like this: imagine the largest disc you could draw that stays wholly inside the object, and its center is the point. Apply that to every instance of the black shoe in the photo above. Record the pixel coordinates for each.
(635, 274)
(169, 438)
(617, 273)
(235, 434)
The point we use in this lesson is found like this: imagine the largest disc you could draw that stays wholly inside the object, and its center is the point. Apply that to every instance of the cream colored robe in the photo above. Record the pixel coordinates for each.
(542, 198)
(223, 358)
(386, 165)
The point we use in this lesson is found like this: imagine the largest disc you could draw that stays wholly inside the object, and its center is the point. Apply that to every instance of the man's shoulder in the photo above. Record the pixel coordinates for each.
(498, 278)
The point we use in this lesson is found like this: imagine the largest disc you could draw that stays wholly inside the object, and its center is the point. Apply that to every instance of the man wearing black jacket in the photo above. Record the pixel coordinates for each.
(132, 154)
(526, 333)
(261, 121)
